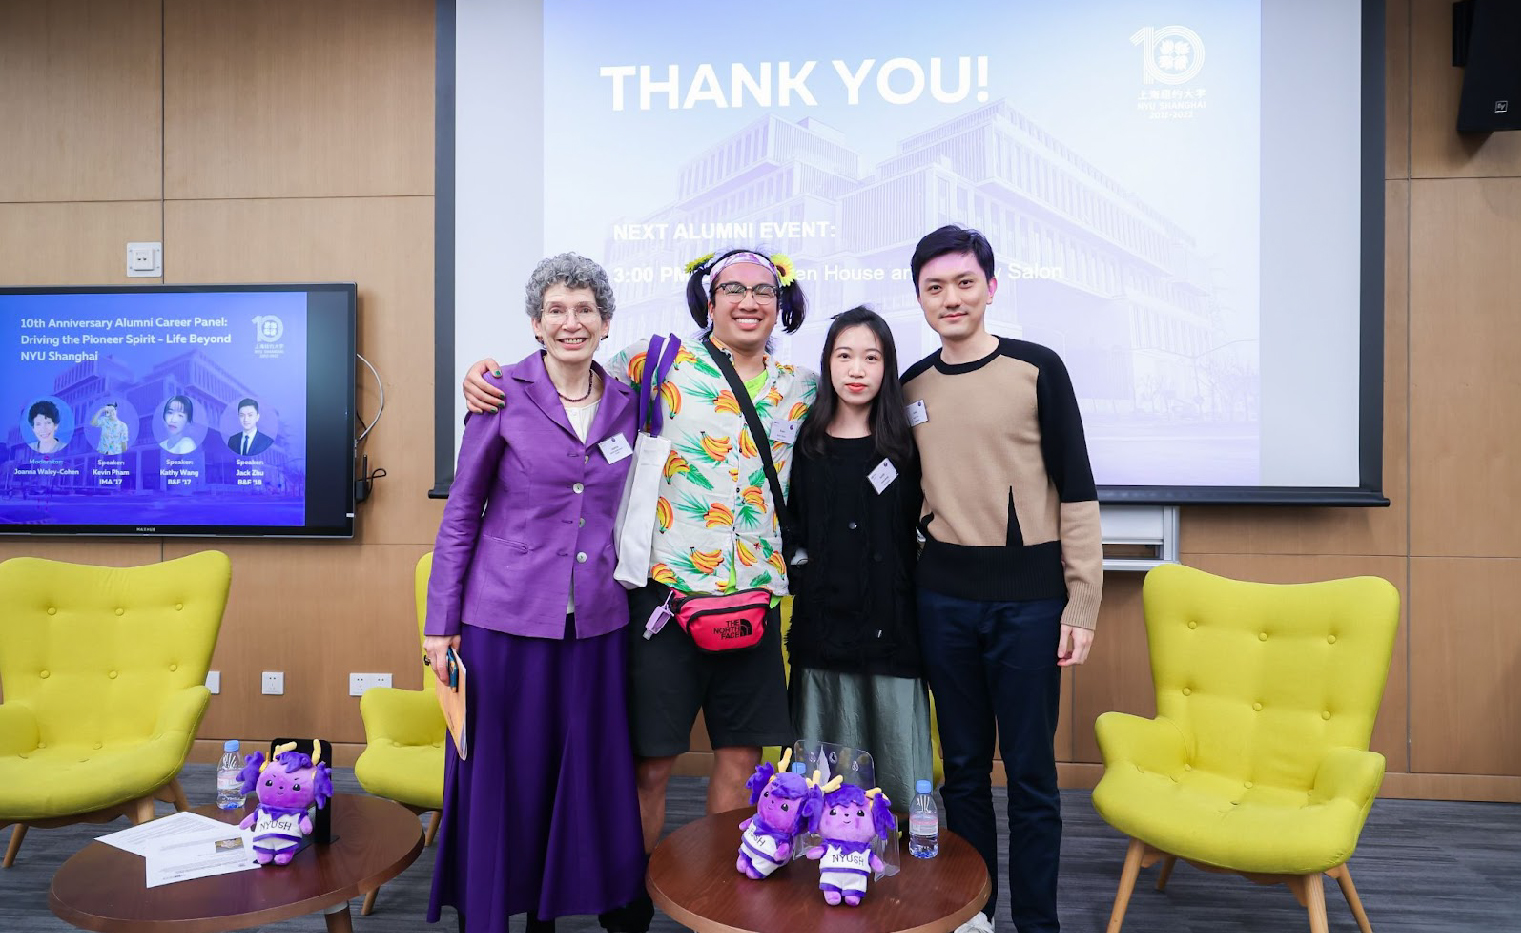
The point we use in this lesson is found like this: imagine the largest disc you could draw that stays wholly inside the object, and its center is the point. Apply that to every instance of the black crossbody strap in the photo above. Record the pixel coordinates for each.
(757, 434)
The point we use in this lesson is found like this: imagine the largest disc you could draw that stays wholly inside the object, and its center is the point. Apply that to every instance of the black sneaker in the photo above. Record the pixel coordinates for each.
(633, 917)
(535, 925)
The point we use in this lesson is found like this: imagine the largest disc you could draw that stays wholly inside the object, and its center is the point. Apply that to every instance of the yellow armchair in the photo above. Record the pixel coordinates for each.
(403, 759)
(1257, 762)
(104, 673)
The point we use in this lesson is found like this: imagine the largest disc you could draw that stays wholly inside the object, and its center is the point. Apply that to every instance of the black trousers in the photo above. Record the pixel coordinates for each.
(992, 668)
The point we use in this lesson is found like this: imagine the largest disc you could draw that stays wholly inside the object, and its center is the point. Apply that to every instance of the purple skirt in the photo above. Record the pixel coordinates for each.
(544, 816)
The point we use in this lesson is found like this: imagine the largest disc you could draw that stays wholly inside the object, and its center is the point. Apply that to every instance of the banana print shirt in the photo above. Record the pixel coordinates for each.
(715, 522)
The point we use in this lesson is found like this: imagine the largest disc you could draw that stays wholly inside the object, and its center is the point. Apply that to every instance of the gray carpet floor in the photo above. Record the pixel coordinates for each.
(1421, 867)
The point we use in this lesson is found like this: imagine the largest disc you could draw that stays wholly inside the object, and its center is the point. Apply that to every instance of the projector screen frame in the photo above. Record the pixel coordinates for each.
(1369, 489)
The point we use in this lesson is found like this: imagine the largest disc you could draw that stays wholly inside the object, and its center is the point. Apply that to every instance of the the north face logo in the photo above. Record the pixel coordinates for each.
(739, 628)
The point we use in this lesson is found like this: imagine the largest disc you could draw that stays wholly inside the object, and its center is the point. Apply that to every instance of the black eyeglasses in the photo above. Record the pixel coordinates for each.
(764, 293)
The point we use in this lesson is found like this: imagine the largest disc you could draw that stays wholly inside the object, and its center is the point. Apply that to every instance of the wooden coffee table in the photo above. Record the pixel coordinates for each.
(102, 887)
(692, 878)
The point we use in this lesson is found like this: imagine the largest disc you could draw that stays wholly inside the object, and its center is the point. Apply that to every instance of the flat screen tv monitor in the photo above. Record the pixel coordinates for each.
(178, 410)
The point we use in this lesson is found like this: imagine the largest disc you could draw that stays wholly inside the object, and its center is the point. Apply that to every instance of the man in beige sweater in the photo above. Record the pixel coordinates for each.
(1011, 573)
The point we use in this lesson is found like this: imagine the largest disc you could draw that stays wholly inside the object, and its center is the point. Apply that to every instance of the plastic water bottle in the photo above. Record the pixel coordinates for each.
(229, 785)
(923, 823)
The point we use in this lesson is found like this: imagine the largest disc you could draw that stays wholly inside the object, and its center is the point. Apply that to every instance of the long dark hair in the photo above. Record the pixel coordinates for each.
(791, 307)
(889, 422)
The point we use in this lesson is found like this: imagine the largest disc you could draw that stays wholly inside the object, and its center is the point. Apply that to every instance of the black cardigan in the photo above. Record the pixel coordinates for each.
(873, 629)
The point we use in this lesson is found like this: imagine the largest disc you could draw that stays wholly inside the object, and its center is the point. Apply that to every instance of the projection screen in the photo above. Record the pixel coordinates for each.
(1185, 198)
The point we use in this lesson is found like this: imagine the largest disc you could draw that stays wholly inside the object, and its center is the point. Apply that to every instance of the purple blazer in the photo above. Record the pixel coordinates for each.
(531, 508)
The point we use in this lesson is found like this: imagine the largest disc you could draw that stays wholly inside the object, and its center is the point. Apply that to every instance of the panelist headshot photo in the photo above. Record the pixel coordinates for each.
(178, 414)
(44, 419)
(114, 433)
(250, 440)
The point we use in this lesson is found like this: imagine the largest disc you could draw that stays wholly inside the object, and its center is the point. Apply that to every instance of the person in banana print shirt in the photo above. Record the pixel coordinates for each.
(717, 532)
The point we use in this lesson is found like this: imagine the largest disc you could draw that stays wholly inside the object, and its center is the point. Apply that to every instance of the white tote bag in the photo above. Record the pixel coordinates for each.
(634, 528)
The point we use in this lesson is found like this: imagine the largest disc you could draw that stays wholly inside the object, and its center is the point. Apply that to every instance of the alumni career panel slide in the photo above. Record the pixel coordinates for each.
(153, 410)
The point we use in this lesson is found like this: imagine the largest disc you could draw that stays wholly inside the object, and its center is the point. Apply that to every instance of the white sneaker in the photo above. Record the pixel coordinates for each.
(978, 924)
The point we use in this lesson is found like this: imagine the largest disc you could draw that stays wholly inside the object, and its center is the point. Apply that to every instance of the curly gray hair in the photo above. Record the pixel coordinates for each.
(574, 271)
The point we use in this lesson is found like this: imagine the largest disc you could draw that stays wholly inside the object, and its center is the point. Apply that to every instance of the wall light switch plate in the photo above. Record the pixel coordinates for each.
(273, 683)
(359, 683)
(145, 260)
(214, 681)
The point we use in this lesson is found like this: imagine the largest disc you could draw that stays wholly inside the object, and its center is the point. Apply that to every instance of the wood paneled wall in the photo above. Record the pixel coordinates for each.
(292, 140)
(280, 141)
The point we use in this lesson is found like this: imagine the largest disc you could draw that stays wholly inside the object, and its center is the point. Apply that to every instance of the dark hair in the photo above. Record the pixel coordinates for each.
(952, 238)
(185, 403)
(45, 408)
(889, 422)
(791, 305)
(247, 403)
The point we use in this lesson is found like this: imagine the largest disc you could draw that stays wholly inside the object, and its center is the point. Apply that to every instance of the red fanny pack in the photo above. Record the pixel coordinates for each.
(732, 622)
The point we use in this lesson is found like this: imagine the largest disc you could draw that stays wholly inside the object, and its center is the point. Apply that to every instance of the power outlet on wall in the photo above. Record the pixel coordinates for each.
(359, 683)
(214, 681)
(145, 260)
(272, 683)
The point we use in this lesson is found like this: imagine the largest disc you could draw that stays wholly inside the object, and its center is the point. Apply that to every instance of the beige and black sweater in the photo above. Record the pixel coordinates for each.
(1010, 508)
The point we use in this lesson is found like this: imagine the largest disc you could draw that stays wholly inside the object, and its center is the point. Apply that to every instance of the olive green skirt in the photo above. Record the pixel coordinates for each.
(886, 716)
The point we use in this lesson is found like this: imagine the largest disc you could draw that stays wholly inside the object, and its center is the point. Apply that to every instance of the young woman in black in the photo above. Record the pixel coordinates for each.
(853, 643)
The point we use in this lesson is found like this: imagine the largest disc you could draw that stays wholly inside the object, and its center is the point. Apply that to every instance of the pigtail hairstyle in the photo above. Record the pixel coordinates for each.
(697, 296)
(322, 785)
(813, 808)
(882, 818)
(759, 780)
(791, 307)
(250, 773)
(791, 304)
(813, 811)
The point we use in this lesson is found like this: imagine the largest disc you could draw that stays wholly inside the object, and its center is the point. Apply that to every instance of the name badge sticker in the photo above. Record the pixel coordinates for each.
(883, 476)
(917, 413)
(615, 448)
(784, 431)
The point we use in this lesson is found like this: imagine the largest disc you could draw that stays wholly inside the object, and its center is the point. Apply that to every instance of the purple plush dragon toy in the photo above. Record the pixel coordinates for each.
(783, 800)
(849, 821)
(285, 791)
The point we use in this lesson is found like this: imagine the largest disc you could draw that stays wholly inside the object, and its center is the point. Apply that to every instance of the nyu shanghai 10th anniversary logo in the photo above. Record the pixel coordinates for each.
(268, 329)
(1171, 56)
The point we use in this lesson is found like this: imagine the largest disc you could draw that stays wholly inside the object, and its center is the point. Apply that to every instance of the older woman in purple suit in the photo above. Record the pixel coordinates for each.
(542, 818)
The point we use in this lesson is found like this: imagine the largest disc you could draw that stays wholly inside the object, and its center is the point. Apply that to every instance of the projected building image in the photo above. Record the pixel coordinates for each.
(1085, 267)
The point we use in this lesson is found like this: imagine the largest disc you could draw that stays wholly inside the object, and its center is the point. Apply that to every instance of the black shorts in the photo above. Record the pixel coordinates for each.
(742, 694)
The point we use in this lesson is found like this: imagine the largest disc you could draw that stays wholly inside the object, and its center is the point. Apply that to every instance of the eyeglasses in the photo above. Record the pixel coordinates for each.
(764, 293)
(585, 314)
